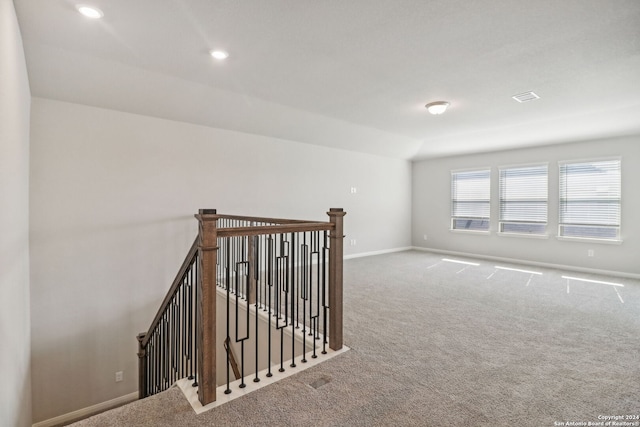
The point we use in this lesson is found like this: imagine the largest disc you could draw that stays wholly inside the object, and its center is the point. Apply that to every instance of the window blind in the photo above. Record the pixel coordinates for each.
(590, 196)
(523, 199)
(470, 200)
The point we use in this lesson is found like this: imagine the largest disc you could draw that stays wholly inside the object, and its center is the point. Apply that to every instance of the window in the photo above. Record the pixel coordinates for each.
(470, 200)
(523, 200)
(590, 200)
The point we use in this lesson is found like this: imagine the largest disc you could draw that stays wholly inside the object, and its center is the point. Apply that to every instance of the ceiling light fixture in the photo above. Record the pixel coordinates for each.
(90, 11)
(219, 54)
(437, 107)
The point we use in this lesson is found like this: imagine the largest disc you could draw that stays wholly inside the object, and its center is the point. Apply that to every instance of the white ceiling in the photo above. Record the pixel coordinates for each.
(353, 74)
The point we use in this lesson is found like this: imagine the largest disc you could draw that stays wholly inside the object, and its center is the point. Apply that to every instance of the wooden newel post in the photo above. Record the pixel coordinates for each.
(336, 237)
(142, 367)
(208, 253)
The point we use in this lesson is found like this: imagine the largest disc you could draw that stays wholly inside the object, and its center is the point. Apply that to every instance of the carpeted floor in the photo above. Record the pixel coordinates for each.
(437, 343)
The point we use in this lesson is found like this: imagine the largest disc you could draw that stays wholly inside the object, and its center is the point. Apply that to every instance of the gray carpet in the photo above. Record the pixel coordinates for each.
(436, 343)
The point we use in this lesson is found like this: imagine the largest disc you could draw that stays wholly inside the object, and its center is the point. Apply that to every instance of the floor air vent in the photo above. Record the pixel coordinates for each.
(320, 382)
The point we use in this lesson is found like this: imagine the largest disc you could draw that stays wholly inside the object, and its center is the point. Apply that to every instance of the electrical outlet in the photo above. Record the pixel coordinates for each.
(119, 376)
(590, 252)
(353, 242)
(354, 190)
(425, 237)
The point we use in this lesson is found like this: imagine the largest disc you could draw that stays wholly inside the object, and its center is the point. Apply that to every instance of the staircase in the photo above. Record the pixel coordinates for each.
(284, 273)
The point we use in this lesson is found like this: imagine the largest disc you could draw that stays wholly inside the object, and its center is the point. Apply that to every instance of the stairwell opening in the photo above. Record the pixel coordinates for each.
(301, 346)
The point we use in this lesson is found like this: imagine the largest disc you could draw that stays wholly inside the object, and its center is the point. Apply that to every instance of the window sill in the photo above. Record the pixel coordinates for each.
(479, 232)
(525, 235)
(590, 240)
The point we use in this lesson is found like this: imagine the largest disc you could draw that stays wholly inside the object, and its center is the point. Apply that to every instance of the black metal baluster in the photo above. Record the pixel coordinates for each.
(168, 330)
(294, 284)
(270, 272)
(304, 295)
(255, 271)
(324, 295)
(237, 257)
(314, 322)
(150, 367)
(237, 314)
(265, 254)
(242, 383)
(154, 366)
(227, 250)
(183, 324)
(147, 376)
(176, 342)
(172, 340)
(165, 352)
(316, 289)
(220, 260)
(167, 360)
(161, 355)
(156, 360)
(176, 337)
(280, 283)
(196, 323)
(297, 271)
(190, 324)
(243, 272)
(169, 349)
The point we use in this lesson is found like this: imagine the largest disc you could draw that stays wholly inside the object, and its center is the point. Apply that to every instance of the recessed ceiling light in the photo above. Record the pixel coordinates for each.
(437, 107)
(90, 11)
(219, 54)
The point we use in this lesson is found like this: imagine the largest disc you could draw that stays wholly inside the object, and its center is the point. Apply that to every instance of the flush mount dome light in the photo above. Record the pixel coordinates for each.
(219, 54)
(437, 107)
(90, 11)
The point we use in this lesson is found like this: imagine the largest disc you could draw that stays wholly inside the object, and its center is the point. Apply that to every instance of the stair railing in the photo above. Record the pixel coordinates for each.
(290, 269)
(168, 350)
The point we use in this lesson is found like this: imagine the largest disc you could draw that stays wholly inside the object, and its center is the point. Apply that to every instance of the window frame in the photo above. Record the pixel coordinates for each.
(561, 203)
(501, 200)
(453, 200)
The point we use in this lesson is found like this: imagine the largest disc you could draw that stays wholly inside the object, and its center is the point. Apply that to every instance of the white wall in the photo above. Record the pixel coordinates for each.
(112, 202)
(431, 208)
(15, 98)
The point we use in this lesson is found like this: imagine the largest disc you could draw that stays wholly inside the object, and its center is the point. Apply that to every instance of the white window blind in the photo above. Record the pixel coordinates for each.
(523, 199)
(470, 200)
(590, 200)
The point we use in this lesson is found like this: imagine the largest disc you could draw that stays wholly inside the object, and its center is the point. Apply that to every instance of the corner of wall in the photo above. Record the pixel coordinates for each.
(15, 358)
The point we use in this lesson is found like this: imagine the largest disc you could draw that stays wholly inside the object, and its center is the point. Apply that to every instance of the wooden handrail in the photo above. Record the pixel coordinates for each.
(263, 219)
(172, 291)
(274, 229)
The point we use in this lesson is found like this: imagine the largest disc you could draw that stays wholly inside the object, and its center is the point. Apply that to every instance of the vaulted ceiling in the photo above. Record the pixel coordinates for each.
(353, 74)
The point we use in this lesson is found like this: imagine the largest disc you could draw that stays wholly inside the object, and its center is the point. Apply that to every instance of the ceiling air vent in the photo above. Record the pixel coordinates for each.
(525, 97)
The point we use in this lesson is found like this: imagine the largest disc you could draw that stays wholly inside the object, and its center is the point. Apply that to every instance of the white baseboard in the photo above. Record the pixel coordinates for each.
(88, 411)
(384, 251)
(532, 263)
